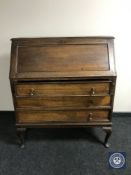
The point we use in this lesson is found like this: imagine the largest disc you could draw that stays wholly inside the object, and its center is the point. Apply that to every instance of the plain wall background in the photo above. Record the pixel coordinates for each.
(43, 18)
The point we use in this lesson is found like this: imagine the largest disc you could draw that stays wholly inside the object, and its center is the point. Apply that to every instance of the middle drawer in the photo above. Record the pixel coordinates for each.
(63, 101)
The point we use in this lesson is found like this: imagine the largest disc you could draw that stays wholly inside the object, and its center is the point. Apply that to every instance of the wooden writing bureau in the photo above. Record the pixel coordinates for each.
(63, 82)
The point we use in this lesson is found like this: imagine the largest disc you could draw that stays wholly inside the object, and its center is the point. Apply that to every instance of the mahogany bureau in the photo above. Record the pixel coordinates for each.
(63, 82)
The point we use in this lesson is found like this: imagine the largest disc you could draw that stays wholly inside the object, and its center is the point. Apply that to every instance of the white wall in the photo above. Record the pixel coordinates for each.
(34, 18)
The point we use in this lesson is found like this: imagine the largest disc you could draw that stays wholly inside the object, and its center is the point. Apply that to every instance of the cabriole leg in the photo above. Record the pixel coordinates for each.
(21, 136)
(108, 131)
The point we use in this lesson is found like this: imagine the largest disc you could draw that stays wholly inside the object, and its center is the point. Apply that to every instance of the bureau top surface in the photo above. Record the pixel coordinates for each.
(61, 58)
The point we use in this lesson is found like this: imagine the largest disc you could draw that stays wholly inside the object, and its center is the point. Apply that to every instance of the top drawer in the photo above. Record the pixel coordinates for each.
(63, 88)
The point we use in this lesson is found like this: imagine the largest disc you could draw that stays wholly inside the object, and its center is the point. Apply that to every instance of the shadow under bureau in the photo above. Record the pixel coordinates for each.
(63, 82)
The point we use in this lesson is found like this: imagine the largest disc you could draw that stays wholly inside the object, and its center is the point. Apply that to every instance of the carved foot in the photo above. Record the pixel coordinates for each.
(108, 131)
(21, 136)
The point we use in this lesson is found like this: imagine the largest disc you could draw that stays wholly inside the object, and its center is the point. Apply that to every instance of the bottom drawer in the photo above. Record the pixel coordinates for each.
(62, 116)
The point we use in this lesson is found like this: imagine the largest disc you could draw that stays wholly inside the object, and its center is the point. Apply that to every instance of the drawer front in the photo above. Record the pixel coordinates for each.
(61, 102)
(85, 88)
(62, 116)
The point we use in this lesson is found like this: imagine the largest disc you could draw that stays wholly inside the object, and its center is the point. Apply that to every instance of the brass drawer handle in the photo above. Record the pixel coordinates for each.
(90, 116)
(32, 92)
(92, 91)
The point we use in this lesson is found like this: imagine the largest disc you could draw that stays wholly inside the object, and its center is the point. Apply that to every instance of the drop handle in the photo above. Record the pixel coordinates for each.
(92, 92)
(90, 116)
(32, 92)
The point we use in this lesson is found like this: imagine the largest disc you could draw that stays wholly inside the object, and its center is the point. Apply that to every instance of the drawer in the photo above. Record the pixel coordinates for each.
(76, 88)
(63, 101)
(62, 116)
